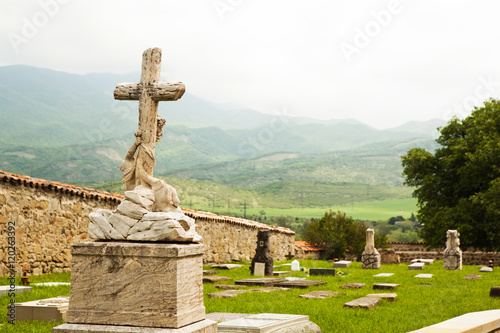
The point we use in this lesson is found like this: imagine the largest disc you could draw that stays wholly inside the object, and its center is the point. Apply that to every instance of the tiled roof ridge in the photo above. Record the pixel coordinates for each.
(305, 246)
(408, 243)
(84, 192)
(91, 193)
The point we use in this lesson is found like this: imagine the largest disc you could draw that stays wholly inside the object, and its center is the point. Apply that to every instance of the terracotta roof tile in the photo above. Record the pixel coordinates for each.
(305, 246)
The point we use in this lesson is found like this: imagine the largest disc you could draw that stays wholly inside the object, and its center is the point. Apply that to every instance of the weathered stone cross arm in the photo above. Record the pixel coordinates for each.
(160, 91)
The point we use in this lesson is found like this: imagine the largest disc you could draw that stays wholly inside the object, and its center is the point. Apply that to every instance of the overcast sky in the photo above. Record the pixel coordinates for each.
(380, 62)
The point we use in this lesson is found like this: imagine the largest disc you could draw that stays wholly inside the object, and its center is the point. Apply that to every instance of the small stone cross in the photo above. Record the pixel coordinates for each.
(140, 161)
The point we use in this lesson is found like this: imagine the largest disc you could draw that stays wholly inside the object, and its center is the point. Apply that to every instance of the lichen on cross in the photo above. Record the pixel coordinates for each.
(140, 159)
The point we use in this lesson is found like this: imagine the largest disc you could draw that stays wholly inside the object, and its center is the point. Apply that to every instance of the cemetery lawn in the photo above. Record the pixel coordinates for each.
(420, 302)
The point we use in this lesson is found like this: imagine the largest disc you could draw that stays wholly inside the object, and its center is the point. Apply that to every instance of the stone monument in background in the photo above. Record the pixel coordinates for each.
(145, 270)
(452, 256)
(262, 256)
(370, 257)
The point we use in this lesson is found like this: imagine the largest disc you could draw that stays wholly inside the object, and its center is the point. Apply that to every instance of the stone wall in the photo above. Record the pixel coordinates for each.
(50, 217)
(409, 251)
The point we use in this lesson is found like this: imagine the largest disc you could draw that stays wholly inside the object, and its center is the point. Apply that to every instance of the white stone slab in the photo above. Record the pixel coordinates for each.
(473, 322)
(50, 309)
(227, 266)
(262, 323)
(293, 278)
(259, 269)
(417, 266)
(4, 290)
(486, 269)
(383, 275)
(425, 261)
(51, 284)
(342, 264)
(424, 276)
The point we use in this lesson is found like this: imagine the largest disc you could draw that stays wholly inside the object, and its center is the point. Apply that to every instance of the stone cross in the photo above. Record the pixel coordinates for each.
(140, 161)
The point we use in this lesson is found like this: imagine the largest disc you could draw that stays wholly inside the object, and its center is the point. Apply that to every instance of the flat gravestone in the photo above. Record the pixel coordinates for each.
(486, 269)
(281, 273)
(226, 294)
(425, 261)
(472, 277)
(391, 297)
(300, 284)
(227, 266)
(342, 264)
(495, 292)
(50, 309)
(269, 322)
(383, 275)
(208, 272)
(382, 286)
(215, 278)
(423, 276)
(4, 290)
(228, 286)
(417, 266)
(294, 278)
(259, 269)
(267, 289)
(321, 294)
(260, 281)
(51, 284)
(363, 302)
(322, 271)
(225, 316)
(353, 285)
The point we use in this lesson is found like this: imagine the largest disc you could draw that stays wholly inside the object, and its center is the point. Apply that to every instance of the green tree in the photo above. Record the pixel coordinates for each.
(338, 234)
(458, 187)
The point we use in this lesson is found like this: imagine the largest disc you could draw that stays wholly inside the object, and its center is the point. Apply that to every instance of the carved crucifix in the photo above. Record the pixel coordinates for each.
(140, 161)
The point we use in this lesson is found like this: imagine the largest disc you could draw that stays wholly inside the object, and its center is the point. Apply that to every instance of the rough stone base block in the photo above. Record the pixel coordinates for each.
(136, 284)
(370, 260)
(204, 326)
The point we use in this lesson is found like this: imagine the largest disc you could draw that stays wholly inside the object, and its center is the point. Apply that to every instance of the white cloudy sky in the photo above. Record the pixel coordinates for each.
(381, 62)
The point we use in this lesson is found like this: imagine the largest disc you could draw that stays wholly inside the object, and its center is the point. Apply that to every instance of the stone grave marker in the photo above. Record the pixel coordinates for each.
(281, 273)
(495, 292)
(472, 277)
(229, 286)
(50, 309)
(452, 256)
(225, 316)
(363, 302)
(353, 285)
(322, 271)
(342, 264)
(215, 278)
(391, 297)
(321, 294)
(262, 254)
(295, 265)
(486, 269)
(424, 276)
(383, 275)
(259, 281)
(269, 322)
(266, 289)
(416, 266)
(300, 284)
(382, 286)
(370, 258)
(208, 272)
(259, 269)
(226, 294)
(425, 261)
(227, 266)
(294, 278)
(5, 290)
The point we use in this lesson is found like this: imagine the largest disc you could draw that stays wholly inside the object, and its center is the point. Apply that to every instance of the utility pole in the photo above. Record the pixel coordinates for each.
(244, 209)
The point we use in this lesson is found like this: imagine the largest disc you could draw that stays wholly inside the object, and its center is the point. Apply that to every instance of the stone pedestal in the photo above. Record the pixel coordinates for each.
(370, 258)
(136, 284)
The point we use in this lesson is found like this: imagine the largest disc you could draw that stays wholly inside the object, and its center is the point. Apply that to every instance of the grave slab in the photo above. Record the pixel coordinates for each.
(259, 268)
(208, 272)
(49, 309)
(294, 278)
(281, 273)
(259, 281)
(51, 284)
(321, 294)
(227, 266)
(486, 269)
(391, 297)
(473, 322)
(226, 294)
(353, 285)
(383, 275)
(215, 278)
(423, 276)
(342, 264)
(270, 322)
(322, 271)
(472, 277)
(363, 302)
(4, 290)
(228, 286)
(204, 326)
(417, 266)
(381, 286)
(425, 261)
(220, 317)
(300, 284)
(495, 292)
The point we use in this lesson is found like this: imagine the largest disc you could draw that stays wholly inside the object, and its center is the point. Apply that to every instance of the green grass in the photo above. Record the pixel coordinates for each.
(420, 302)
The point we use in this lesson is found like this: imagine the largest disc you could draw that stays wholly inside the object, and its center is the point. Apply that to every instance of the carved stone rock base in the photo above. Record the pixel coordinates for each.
(370, 260)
